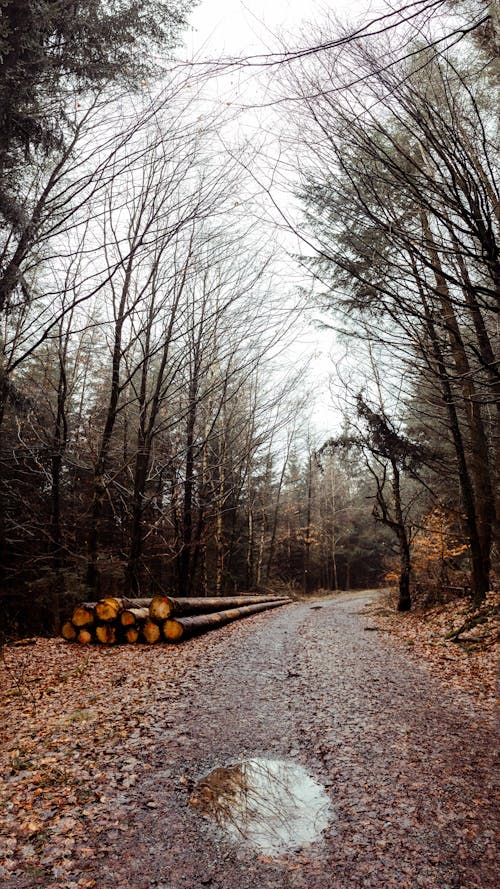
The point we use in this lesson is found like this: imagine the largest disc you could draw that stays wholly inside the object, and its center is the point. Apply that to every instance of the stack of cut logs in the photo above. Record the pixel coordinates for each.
(160, 619)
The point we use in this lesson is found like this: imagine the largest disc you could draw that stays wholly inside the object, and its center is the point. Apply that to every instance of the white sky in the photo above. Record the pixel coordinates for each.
(244, 27)
(234, 27)
(238, 28)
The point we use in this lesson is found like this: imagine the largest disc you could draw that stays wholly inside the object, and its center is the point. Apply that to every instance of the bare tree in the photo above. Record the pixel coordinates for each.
(406, 231)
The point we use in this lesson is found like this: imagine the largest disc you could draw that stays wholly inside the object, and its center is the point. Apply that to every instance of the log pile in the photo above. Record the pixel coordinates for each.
(160, 619)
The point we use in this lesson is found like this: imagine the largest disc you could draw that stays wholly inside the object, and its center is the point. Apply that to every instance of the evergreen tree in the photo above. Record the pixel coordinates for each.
(52, 50)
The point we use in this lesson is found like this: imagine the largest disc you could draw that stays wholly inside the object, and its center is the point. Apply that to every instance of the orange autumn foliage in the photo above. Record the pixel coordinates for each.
(437, 551)
(438, 548)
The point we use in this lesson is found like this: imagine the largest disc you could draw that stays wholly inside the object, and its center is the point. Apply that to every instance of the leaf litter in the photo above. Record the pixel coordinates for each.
(458, 642)
(81, 729)
(78, 725)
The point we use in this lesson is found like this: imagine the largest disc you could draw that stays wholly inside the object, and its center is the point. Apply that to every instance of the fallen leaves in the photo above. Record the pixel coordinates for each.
(79, 728)
(431, 635)
(92, 738)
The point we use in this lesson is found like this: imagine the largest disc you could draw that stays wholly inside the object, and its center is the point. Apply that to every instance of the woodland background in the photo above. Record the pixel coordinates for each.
(155, 432)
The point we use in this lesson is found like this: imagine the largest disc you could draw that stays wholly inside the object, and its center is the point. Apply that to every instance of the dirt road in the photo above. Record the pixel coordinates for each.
(407, 766)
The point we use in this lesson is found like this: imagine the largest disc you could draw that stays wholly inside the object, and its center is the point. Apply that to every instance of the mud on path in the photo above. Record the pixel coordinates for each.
(407, 763)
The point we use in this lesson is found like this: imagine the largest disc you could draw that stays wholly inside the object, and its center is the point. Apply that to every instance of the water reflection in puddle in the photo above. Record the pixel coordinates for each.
(271, 805)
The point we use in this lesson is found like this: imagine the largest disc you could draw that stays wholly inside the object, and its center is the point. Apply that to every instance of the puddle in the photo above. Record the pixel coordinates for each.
(270, 805)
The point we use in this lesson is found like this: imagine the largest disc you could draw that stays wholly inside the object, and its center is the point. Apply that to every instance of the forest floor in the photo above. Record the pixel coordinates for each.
(459, 642)
(102, 748)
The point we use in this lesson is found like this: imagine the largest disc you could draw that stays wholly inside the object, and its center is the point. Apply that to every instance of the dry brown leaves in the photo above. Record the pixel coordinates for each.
(77, 725)
(469, 664)
(62, 714)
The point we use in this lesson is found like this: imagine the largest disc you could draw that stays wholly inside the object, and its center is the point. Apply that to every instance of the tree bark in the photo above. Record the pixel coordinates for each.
(133, 617)
(164, 607)
(480, 576)
(404, 603)
(84, 614)
(479, 457)
(306, 581)
(176, 629)
(108, 609)
(106, 634)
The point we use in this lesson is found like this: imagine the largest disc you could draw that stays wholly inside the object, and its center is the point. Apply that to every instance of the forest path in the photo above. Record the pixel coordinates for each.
(407, 764)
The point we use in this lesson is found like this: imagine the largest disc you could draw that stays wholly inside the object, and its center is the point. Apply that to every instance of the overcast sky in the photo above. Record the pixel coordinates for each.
(236, 28)
(232, 27)
(243, 27)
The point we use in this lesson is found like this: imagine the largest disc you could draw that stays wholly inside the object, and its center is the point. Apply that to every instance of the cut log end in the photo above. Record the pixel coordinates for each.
(106, 634)
(131, 617)
(160, 608)
(151, 631)
(68, 631)
(84, 637)
(84, 614)
(108, 609)
(173, 631)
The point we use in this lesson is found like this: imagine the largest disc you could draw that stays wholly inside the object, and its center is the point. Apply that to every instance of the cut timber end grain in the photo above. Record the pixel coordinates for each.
(130, 617)
(108, 609)
(84, 614)
(131, 634)
(151, 631)
(106, 634)
(173, 631)
(84, 636)
(68, 631)
(160, 608)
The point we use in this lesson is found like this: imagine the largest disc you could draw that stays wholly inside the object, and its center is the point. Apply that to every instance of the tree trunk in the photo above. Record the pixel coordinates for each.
(274, 529)
(99, 494)
(478, 465)
(219, 531)
(108, 609)
(106, 634)
(164, 607)
(184, 559)
(133, 617)
(84, 614)
(174, 630)
(307, 534)
(59, 444)
(480, 574)
(404, 603)
(132, 579)
(250, 581)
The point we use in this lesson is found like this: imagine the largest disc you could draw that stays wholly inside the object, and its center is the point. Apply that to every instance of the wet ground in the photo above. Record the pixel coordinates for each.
(268, 805)
(302, 694)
